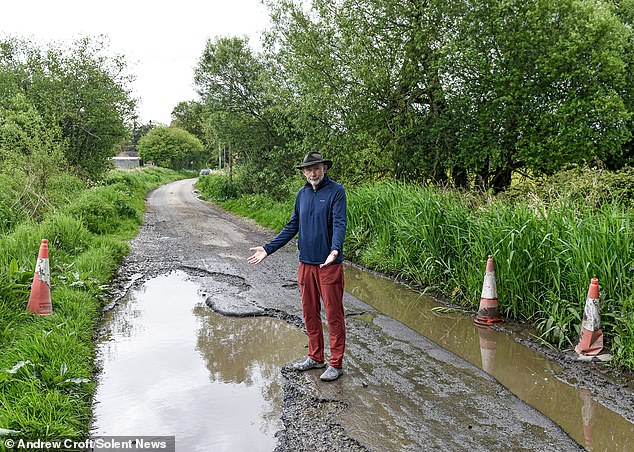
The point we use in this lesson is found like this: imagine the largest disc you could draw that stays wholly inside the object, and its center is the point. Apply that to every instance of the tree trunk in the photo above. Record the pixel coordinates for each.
(482, 178)
(501, 179)
(459, 177)
(229, 162)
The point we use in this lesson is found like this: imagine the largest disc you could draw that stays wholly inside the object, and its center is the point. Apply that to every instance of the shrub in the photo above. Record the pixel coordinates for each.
(129, 182)
(12, 212)
(591, 186)
(217, 187)
(63, 188)
(102, 209)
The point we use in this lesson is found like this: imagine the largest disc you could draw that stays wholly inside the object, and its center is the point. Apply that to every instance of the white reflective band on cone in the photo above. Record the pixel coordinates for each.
(43, 270)
(489, 289)
(591, 318)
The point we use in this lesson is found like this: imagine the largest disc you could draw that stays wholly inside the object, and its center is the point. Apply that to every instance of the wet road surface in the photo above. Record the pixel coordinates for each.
(400, 391)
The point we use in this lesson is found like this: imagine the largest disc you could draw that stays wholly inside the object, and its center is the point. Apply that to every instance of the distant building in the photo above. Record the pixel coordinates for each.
(126, 160)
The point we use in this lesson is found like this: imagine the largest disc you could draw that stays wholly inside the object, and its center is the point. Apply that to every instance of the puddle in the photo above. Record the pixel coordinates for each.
(524, 372)
(173, 367)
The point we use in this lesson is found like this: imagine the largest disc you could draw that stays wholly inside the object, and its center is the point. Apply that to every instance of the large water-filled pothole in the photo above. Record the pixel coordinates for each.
(170, 366)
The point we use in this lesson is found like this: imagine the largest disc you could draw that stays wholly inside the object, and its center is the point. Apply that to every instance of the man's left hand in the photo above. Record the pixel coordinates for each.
(330, 259)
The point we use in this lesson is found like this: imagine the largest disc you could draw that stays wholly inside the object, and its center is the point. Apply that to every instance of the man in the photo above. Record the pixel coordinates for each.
(320, 218)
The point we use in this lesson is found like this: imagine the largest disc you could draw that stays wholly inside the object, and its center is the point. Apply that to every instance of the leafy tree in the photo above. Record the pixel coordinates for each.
(138, 131)
(30, 152)
(171, 147)
(362, 78)
(79, 89)
(430, 91)
(537, 85)
(93, 104)
(308, 75)
(624, 9)
(241, 113)
(436, 89)
(189, 116)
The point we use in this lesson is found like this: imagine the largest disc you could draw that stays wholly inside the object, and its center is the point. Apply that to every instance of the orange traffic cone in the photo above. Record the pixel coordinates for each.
(591, 340)
(489, 312)
(40, 299)
(488, 345)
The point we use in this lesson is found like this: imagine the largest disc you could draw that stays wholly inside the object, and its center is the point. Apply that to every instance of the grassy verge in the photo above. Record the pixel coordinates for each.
(545, 253)
(46, 365)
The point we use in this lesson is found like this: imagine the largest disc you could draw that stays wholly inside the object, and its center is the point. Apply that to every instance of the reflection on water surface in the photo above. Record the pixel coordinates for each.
(173, 367)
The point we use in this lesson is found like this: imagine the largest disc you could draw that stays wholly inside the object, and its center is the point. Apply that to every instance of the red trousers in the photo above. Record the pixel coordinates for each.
(325, 283)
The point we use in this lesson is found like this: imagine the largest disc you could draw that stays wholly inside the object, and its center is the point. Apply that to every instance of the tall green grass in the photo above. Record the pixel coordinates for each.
(46, 364)
(544, 256)
(545, 252)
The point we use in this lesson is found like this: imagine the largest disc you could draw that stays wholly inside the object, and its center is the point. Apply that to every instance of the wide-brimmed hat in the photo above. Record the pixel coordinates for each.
(313, 158)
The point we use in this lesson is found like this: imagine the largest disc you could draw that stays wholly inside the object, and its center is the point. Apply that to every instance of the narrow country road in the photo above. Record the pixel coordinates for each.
(400, 390)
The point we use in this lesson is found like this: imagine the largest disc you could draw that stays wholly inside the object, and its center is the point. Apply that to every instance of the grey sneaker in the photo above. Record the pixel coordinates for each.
(331, 374)
(308, 363)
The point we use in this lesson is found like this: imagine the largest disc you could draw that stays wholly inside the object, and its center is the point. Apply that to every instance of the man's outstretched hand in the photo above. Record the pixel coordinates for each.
(259, 254)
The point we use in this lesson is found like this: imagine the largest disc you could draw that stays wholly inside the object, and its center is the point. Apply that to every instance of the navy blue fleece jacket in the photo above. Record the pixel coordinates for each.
(320, 218)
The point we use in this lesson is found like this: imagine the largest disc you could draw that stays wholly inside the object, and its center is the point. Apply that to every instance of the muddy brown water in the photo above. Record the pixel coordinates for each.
(222, 388)
(529, 375)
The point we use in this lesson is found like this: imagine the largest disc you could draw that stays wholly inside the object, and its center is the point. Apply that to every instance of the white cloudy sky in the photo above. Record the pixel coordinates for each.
(161, 41)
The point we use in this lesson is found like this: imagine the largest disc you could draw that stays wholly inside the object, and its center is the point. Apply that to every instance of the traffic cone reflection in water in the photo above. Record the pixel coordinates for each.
(40, 298)
(587, 411)
(488, 345)
(489, 311)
